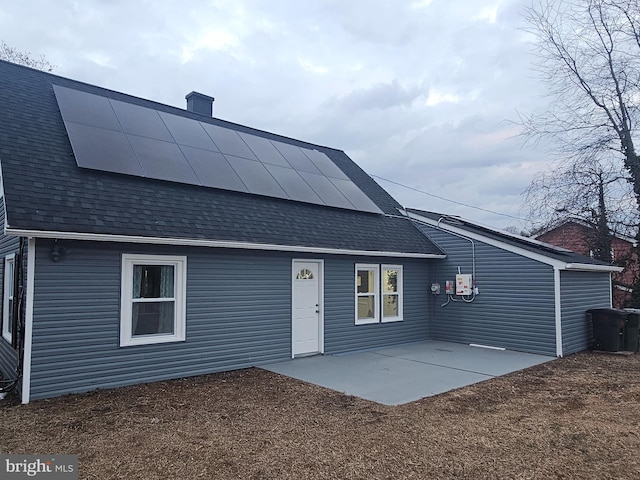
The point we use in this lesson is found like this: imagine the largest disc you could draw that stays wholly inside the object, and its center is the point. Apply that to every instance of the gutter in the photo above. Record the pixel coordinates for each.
(592, 267)
(102, 237)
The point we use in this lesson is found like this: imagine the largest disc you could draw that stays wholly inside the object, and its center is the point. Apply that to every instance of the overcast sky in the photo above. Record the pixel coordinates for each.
(419, 92)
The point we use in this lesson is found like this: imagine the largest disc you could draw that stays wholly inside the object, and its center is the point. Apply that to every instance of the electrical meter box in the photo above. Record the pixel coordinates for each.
(463, 284)
(448, 287)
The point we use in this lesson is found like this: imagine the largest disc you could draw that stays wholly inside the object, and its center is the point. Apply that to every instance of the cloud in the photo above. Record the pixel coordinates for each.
(417, 91)
(381, 96)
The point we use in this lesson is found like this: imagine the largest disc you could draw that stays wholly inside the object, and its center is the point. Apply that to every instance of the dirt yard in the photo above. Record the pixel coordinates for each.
(577, 417)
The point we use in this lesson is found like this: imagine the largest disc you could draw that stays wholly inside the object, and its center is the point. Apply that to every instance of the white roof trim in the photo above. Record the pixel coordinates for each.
(515, 249)
(529, 240)
(101, 237)
(593, 268)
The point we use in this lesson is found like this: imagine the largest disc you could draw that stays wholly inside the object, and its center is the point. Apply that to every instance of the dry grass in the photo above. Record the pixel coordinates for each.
(577, 417)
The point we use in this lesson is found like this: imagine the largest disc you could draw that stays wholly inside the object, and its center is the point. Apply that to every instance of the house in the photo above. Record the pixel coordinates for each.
(574, 235)
(529, 296)
(144, 242)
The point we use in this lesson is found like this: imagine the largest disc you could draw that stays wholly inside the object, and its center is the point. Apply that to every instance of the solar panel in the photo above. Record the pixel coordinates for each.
(85, 108)
(102, 149)
(162, 160)
(352, 193)
(213, 169)
(228, 141)
(293, 184)
(296, 158)
(141, 121)
(186, 131)
(325, 164)
(264, 150)
(256, 177)
(326, 190)
(116, 136)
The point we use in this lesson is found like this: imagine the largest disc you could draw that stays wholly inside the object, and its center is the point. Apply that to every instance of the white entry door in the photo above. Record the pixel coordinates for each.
(307, 325)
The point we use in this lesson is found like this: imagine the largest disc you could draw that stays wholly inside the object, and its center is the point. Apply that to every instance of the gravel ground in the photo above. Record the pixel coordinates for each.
(576, 417)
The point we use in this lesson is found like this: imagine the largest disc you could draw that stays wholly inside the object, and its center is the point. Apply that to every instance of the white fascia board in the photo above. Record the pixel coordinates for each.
(517, 250)
(588, 267)
(623, 288)
(192, 242)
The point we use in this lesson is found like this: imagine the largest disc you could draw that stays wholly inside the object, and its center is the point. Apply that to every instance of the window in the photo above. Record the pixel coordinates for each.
(153, 299)
(369, 284)
(305, 274)
(7, 307)
(367, 294)
(391, 293)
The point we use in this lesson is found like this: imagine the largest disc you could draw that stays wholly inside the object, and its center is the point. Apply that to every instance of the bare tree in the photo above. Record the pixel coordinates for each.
(597, 193)
(11, 54)
(588, 53)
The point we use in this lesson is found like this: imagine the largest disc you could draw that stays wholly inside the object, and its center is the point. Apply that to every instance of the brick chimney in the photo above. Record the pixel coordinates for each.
(199, 103)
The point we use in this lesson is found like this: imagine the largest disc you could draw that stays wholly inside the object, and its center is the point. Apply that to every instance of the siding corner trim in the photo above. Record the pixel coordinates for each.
(28, 321)
(558, 311)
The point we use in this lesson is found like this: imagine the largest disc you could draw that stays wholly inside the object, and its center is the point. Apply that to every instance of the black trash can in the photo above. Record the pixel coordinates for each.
(632, 330)
(608, 328)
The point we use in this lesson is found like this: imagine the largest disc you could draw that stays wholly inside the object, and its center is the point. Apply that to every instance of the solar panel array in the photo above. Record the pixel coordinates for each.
(120, 137)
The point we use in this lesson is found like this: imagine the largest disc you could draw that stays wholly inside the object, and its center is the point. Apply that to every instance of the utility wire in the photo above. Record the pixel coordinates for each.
(447, 199)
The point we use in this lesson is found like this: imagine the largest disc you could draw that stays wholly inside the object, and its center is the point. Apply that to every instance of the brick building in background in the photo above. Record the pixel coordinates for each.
(574, 235)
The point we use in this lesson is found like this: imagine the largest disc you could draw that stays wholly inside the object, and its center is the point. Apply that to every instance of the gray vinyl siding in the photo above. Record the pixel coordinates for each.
(238, 315)
(341, 332)
(515, 308)
(579, 292)
(8, 245)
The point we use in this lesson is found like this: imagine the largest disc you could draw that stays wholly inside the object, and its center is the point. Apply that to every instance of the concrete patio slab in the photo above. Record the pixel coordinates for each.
(405, 373)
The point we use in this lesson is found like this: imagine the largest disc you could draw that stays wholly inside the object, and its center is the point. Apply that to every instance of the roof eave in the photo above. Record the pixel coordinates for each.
(588, 267)
(538, 256)
(195, 242)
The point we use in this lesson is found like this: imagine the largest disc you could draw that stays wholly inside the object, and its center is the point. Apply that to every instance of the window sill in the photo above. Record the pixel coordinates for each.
(367, 321)
(151, 340)
(392, 319)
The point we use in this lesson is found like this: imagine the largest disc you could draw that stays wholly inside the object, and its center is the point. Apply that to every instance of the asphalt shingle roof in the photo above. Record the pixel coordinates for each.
(534, 246)
(45, 190)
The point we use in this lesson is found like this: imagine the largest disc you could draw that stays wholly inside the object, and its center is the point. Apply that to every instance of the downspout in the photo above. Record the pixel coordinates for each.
(558, 310)
(28, 322)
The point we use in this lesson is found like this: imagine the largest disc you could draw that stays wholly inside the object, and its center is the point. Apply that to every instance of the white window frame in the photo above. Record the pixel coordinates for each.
(376, 293)
(126, 299)
(9, 285)
(399, 293)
